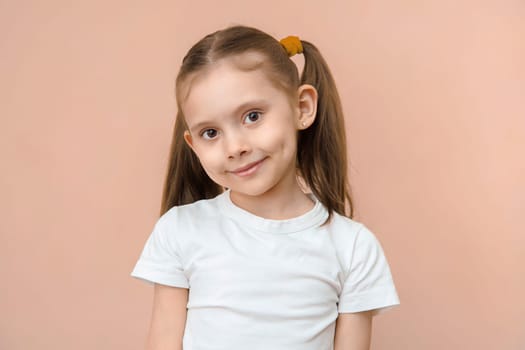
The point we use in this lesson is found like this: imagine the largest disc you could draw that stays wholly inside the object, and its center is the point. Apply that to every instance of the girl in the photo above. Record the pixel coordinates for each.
(256, 247)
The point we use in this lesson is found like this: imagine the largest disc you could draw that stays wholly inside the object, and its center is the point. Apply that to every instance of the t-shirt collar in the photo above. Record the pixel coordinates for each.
(315, 217)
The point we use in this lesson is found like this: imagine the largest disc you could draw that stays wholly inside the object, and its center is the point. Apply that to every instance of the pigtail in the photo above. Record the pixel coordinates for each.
(322, 158)
(186, 181)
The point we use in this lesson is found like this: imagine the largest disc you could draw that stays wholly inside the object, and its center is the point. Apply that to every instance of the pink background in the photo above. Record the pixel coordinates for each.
(434, 96)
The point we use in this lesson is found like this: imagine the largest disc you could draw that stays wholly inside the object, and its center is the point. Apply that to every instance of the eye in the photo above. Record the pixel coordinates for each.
(209, 134)
(252, 117)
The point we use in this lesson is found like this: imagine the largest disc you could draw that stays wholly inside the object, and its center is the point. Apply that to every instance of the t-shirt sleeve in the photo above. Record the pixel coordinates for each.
(368, 284)
(160, 261)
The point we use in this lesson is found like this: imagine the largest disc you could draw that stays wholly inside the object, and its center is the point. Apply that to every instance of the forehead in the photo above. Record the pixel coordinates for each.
(227, 84)
(247, 61)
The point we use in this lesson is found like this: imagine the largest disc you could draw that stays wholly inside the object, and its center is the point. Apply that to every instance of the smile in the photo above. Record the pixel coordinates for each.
(248, 169)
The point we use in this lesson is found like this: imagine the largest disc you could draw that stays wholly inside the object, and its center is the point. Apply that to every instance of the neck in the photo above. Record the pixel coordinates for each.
(281, 203)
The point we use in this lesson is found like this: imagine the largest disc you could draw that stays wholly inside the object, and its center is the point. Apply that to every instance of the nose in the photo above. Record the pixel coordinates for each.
(236, 145)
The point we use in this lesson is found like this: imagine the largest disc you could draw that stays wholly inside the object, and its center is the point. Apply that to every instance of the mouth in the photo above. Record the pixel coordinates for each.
(248, 169)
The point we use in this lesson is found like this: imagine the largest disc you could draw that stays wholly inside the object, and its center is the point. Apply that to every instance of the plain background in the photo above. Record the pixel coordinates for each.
(434, 97)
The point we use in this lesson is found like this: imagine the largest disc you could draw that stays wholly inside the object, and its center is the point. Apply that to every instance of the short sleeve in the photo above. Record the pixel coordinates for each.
(368, 284)
(160, 261)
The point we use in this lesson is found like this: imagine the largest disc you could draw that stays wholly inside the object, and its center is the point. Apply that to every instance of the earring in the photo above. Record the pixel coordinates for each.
(304, 123)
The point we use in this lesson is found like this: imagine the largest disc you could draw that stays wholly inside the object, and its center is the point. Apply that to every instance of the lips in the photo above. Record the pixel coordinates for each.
(247, 168)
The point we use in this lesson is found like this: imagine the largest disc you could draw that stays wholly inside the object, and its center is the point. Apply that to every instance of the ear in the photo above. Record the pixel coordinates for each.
(188, 139)
(307, 106)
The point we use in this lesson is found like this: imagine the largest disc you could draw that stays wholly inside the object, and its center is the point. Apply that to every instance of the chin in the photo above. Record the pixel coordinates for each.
(253, 190)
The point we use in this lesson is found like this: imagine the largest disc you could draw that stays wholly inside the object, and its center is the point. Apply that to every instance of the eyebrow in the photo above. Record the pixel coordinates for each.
(237, 110)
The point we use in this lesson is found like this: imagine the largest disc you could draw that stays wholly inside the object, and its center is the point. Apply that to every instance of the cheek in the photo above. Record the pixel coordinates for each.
(279, 140)
(208, 159)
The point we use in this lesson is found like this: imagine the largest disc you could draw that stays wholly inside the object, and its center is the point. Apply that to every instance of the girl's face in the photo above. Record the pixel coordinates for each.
(243, 129)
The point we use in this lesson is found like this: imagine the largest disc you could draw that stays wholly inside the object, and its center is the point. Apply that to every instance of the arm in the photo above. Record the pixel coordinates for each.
(353, 331)
(168, 318)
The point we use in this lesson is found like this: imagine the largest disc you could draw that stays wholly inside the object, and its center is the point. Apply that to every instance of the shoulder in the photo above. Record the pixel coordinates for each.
(348, 232)
(345, 227)
(190, 215)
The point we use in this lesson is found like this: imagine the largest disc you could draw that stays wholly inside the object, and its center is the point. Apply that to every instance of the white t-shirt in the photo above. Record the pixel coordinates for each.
(256, 283)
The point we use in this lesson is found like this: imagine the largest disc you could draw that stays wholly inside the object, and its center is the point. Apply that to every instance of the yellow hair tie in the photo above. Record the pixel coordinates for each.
(292, 44)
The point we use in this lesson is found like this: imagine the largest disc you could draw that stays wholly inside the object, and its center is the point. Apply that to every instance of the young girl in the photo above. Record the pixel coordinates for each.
(256, 247)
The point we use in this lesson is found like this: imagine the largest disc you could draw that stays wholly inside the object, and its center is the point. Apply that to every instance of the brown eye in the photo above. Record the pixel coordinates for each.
(252, 117)
(209, 133)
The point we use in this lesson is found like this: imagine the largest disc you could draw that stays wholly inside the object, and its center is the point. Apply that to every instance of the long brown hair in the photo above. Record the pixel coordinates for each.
(321, 148)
